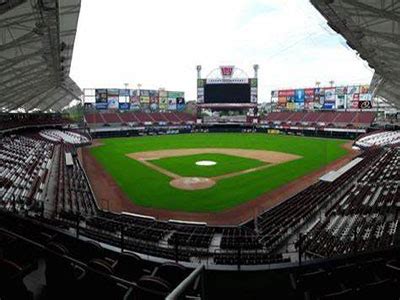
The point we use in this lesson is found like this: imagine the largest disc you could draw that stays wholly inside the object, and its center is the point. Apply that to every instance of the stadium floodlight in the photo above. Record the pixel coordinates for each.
(198, 68)
(256, 67)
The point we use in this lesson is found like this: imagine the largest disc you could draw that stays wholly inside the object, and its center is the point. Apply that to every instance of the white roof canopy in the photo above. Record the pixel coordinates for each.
(372, 28)
(36, 45)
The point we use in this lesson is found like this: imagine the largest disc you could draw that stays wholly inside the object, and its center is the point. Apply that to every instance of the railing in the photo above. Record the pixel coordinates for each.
(197, 275)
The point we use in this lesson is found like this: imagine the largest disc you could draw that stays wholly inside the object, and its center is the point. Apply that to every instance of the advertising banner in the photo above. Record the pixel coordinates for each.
(101, 95)
(286, 93)
(365, 97)
(329, 105)
(341, 93)
(172, 103)
(282, 101)
(112, 92)
(180, 104)
(124, 106)
(174, 95)
(365, 104)
(153, 93)
(354, 104)
(299, 96)
(330, 95)
(309, 92)
(163, 103)
(145, 93)
(153, 103)
(291, 105)
(309, 105)
(227, 80)
(340, 101)
(113, 102)
(290, 99)
(123, 92)
(364, 89)
(144, 99)
(102, 105)
(353, 89)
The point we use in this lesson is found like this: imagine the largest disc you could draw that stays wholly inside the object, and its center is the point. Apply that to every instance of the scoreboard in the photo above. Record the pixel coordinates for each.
(227, 93)
(229, 86)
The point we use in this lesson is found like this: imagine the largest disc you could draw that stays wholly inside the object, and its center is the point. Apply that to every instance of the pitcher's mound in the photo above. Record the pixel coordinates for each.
(192, 183)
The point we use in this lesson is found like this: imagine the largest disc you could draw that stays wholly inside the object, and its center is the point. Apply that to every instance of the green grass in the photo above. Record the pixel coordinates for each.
(148, 187)
(186, 165)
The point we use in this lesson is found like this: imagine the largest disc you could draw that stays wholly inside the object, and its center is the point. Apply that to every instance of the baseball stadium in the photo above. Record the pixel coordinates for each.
(136, 193)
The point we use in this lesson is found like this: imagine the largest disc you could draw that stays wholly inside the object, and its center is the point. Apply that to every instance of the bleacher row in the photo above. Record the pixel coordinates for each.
(16, 120)
(379, 139)
(66, 136)
(73, 191)
(139, 118)
(367, 217)
(24, 170)
(75, 269)
(339, 119)
(278, 223)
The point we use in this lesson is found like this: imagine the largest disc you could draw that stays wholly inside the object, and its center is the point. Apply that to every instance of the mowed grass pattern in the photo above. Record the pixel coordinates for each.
(186, 165)
(148, 187)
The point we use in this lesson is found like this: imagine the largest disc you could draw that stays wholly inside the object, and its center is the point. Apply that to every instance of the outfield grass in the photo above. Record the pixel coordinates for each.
(148, 187)
(186, 165)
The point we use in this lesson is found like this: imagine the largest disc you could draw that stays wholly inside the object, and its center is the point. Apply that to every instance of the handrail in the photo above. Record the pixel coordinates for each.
(181, 288)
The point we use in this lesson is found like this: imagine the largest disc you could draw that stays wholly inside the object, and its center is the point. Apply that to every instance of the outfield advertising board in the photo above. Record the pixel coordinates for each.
(325, 98)
(153, 100)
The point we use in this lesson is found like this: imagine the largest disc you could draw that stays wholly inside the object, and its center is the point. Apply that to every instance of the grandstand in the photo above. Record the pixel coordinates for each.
(335, 237)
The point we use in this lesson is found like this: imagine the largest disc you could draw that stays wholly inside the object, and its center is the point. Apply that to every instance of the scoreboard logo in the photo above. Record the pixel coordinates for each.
(226, 71)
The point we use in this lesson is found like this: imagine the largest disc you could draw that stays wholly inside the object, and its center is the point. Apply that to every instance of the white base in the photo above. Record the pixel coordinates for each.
(206, 163)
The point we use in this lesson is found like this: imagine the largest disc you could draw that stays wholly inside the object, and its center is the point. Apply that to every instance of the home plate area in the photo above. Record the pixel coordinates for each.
(192, 183)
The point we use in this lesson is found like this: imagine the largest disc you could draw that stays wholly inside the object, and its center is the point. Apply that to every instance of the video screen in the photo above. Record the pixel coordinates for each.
(227, 93)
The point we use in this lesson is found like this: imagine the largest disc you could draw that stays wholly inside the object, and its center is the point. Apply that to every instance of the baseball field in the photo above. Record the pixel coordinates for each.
(210, 172)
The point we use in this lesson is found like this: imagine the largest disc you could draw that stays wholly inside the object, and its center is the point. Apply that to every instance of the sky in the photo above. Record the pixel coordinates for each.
(159, 43)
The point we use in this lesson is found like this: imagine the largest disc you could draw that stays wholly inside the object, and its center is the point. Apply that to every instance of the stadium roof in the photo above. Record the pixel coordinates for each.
(36, 44)
(372, 28)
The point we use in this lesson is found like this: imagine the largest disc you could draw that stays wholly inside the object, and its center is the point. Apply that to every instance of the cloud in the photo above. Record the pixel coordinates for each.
(159, 43)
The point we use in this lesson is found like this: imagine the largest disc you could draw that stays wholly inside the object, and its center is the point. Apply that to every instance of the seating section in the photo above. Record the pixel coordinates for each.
(19, 120)
(379, 139)
(73, 196)
(365, 218)
(139, 118)
(337, 119)
(70, 137)
(24, 170)
(370, 278)
(356, 212)
(74, 269)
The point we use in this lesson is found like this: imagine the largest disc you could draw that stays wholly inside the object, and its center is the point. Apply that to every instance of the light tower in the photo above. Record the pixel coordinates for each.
(198, 68)
(256, 67)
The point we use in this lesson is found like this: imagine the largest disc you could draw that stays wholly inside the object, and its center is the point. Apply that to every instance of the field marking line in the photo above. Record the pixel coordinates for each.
(159, 169)
(238, 173)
